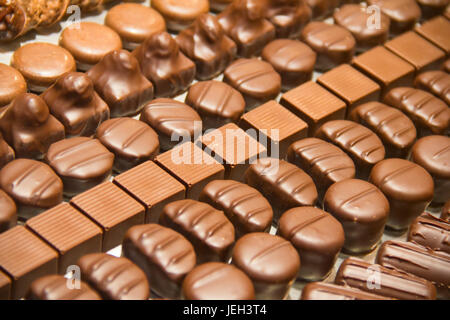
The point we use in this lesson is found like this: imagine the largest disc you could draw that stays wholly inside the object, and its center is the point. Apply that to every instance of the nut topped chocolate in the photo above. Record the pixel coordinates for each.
(8, 212)
(288, 17)
(12, 83)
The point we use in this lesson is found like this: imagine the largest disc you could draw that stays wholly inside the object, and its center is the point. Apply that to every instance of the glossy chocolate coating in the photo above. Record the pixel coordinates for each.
(288, 16)
(33, 185)
(408, 187)
(430, 232)
(333, 44)
(446, 64)
(180, 14)
(219, 5)
(5, 286)
(359, 142)
(206, 43)
(431, 8)
(81, 162)
(292, 59)
(271, 262)
(392, 126)
(329, 291)
(445, 212)
(430, 114)
(433, 154)
(118, 80)
(436, 30)
(163, 254)
(244, 22)
(132, 142)
(172, 120)
(74, 102)
(12, 83)
(55, 287)
(257, 81)
(384, 281)
(285, 185)
(7, 154)
(216, 102)
(362, 209)
(8, 212)
(114, 278)
(436, 82)
(208, 229)
(217, 281)
(322, 8)
(162, 62)
(29, 128)
(317, 237)
(245, 206)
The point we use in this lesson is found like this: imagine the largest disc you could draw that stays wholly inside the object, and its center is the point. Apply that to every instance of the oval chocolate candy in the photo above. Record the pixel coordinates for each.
(430, 232)
(436, 82)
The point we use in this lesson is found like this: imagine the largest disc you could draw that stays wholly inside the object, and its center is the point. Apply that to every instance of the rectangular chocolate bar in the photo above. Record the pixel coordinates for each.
(5, 286)
(436, 30)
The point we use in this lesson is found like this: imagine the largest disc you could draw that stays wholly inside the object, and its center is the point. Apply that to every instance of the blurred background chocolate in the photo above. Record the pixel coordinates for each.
(207, 45)
(162, 63)
(180, 14)
(329, 291)
(12, 83)
(219, 5)
(436, 82)
(446, 65)
(288, 17)
(118, 80)
(6, 152)
(430, 232)
(8, 212)
(431, 8)
(322, 8)
(74, 102)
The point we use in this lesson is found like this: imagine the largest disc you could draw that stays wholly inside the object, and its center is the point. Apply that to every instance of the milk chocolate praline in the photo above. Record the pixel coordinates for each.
(430, 232)
(181, 13)
(288, 16)
(12, 84)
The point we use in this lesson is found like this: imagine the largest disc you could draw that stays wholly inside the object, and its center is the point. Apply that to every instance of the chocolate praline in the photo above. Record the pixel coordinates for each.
(436, 82)
(12, 83)
(181, 13)
(322, 8)
(7, 153)
(430, 232)
(288, 16)
(329, 291)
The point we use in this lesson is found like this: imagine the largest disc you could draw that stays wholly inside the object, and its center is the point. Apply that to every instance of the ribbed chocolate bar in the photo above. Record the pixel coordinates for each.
(5, 286)
(436, 30)
(329, 291)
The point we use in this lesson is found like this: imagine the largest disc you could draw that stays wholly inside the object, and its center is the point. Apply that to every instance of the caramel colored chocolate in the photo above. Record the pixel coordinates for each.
(208, 229)
(164, 255)
(433, 154)
(134, 23)
(33, 185)
(216, 102)
(118, 80)
(174, 121)
(329, 291)
(219, 5)
(317, 237)
(112, 209)
(435, 30)
(162, 63)
(257, 81)
(446, 64)
(431, 115)
(206, 43)
(285, 185)
(24, 258)
(292, 59)
(392, 126)
(245, 206)
(29, 128)
(12, 83)
(244, 22)
(430, 232)
(333, 44)
(42, 63)
(388, 282)
(7, 154)
(404, 14)
(436, 82)
(74, 102)
(180, 14)
(408, 187)
(445, 212)
(271, 262)
(114, 278)
(322, 8)
(288, 16)
(314, 105)
(8, 212)
(359, 142)
(5, 287)
(218, 281)
(431, 8)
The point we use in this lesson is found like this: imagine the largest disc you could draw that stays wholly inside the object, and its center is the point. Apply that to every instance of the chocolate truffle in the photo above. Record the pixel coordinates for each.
(208, 229)
(359, 142)
(118, 80)
(322, 8)
(325, 162)
(12, 84)
(206, 43)
(74, 102)
(436, 82)
(430, 232)
(245, 206)
(89, 42)
(134, 23)
(165, 65)
(292, 59)
(334, 44)
(8, 212)
(29, 128)
(163, 254)
(6, 152)
(288, 16)
(219, 5)
(445, 213)
(181, 13)
(392, 126)
(317, 237)
(356, 19)
(404, 14)
(244, 22)
(408, 187)
(329, 291)
(174, 121)
(217, 281)
(33, 185)
(216, 102)
(433, 154)
(42, 63)
(431, 8)
(271, 262)
(257, 81)
(435, 30)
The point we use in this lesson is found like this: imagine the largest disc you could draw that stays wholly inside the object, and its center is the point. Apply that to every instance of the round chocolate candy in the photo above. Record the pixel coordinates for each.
(89, 42)
(8, 212)
(271, 262)
(318, 238)
(179, 14)
(362, 209)
(12, 84)
(217, 281)
(42, 63)
(433, 153)
(408, 187)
